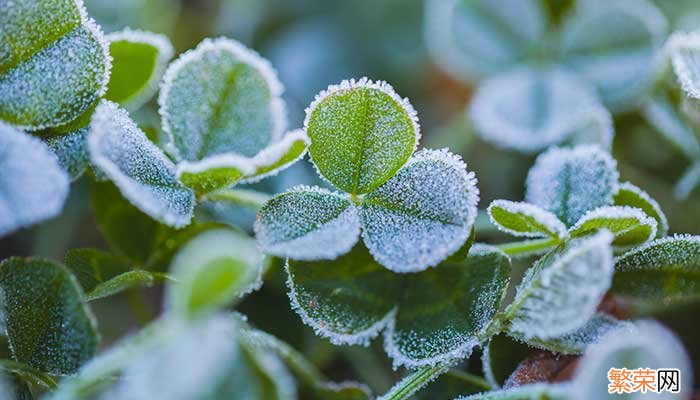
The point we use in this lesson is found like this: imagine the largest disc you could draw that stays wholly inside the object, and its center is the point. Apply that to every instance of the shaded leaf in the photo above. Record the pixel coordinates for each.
(684, 50)
(571, 181)
(279, 156)
(361, 133)
(524, 219)
(308, 223)
(562, 290)
(144, 175)
(48, 325)
(28, 374)
(500, 356)
(33, 187)
(423, 214)
(630, 226)
(54, 62)
(632, 196)
(122, 282)
(139, 59)
(71, 151)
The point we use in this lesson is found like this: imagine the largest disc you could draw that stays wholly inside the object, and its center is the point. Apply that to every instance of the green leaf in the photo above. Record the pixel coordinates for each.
(122, 282)
(28, 374)
(54, 62)
(141, 171)
(48, 325)
(524, 219)
(33, 187)
(474, 38)
(571, 181)
(221, 98)
(602, 38)
(500, 356)
(361, 133)
(308, 223)
(562, 290)
(631, 226)
(211, 270)
(214, 173)
(448, 308)
(139, 59)
(539, 391)
(71, 151)
(423, 214)
(279, 156)
(632, 196)
(661, 274)
(684, 50)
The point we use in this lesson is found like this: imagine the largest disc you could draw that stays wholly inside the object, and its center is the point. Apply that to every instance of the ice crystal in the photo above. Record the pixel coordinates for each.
(525, 219)
(632, 196)
(684, 50)
(630, 225)
(71, 151)
(665, 252)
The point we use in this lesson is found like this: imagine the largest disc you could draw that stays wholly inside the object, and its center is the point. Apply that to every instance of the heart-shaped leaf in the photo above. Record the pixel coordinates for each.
(423, 214)
(663, 273)
(631, 226)
(529, 109)
(308, 223)
(684, 51)
(632, 196)
(139, 59)
(221, 98)
(361, 133)
(54, 62)
(71, 151)
(144, 175)
(431, 317)
(612, 44)
(475, 38)
(211, 270)
(571, 181)
(47, 322)
(33, 187)
(524, 219)
(561, 291)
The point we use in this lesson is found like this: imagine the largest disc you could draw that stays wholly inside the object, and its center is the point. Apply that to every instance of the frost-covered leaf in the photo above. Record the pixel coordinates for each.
(612, 44)
(361, 133)
(33, 186)
(308, 223)
(214, 173)
(529, 109)
(127, 280)
(348, 300)
(684, 51)
(579, 340)
(48, 325)
(571, 181)
(213, 269)
(632, 196)
(663, 273)
(644, 344)
(144, 175)
(539, 391)
(665, 117)
(444, 311)
(139, 59)
(71, 151)
(500, 356)
(279, 155)
(423, 214)
(221, 98)
(561, 291)
(631, 226)
(475, 38)
(54, 62)
(524, 219)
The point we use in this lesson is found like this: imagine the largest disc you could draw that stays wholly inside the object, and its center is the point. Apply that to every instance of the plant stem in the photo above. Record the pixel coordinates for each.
(409, 385)
(526, 247)
(251, 199)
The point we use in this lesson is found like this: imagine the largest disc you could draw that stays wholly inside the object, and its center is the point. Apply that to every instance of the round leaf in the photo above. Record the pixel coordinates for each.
(33, 187)
(632, 196)
(48, 325)
(423, 214)
(361, 133)
(524, 219)
(571, 181)
(54, 62)
(631, 226)
(221, 98)
(308, 224)
(144, 175)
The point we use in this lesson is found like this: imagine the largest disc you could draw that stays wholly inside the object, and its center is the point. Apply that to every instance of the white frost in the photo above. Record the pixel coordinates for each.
(684, 50)
(611, 216)
(550, 221)
(662, 223)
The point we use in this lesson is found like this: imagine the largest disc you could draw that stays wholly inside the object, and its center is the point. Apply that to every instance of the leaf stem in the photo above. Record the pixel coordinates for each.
(527, 247)
(409, 385)
(251, 199)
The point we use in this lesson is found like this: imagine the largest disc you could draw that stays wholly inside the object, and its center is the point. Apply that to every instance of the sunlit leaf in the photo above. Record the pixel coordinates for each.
(562, 290)
(571, 181)
(54, 62)
(71, 151)
(423, 214)
(361, 133)
(139, 59)
(524, 219)
(629, 195)
(143, 174)
(33, 186)
(630, 226)
(308, 224)
(48, 325)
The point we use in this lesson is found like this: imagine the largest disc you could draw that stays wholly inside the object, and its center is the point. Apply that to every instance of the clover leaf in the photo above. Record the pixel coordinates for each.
(629, 195)
(631, 226)
(525, 219)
